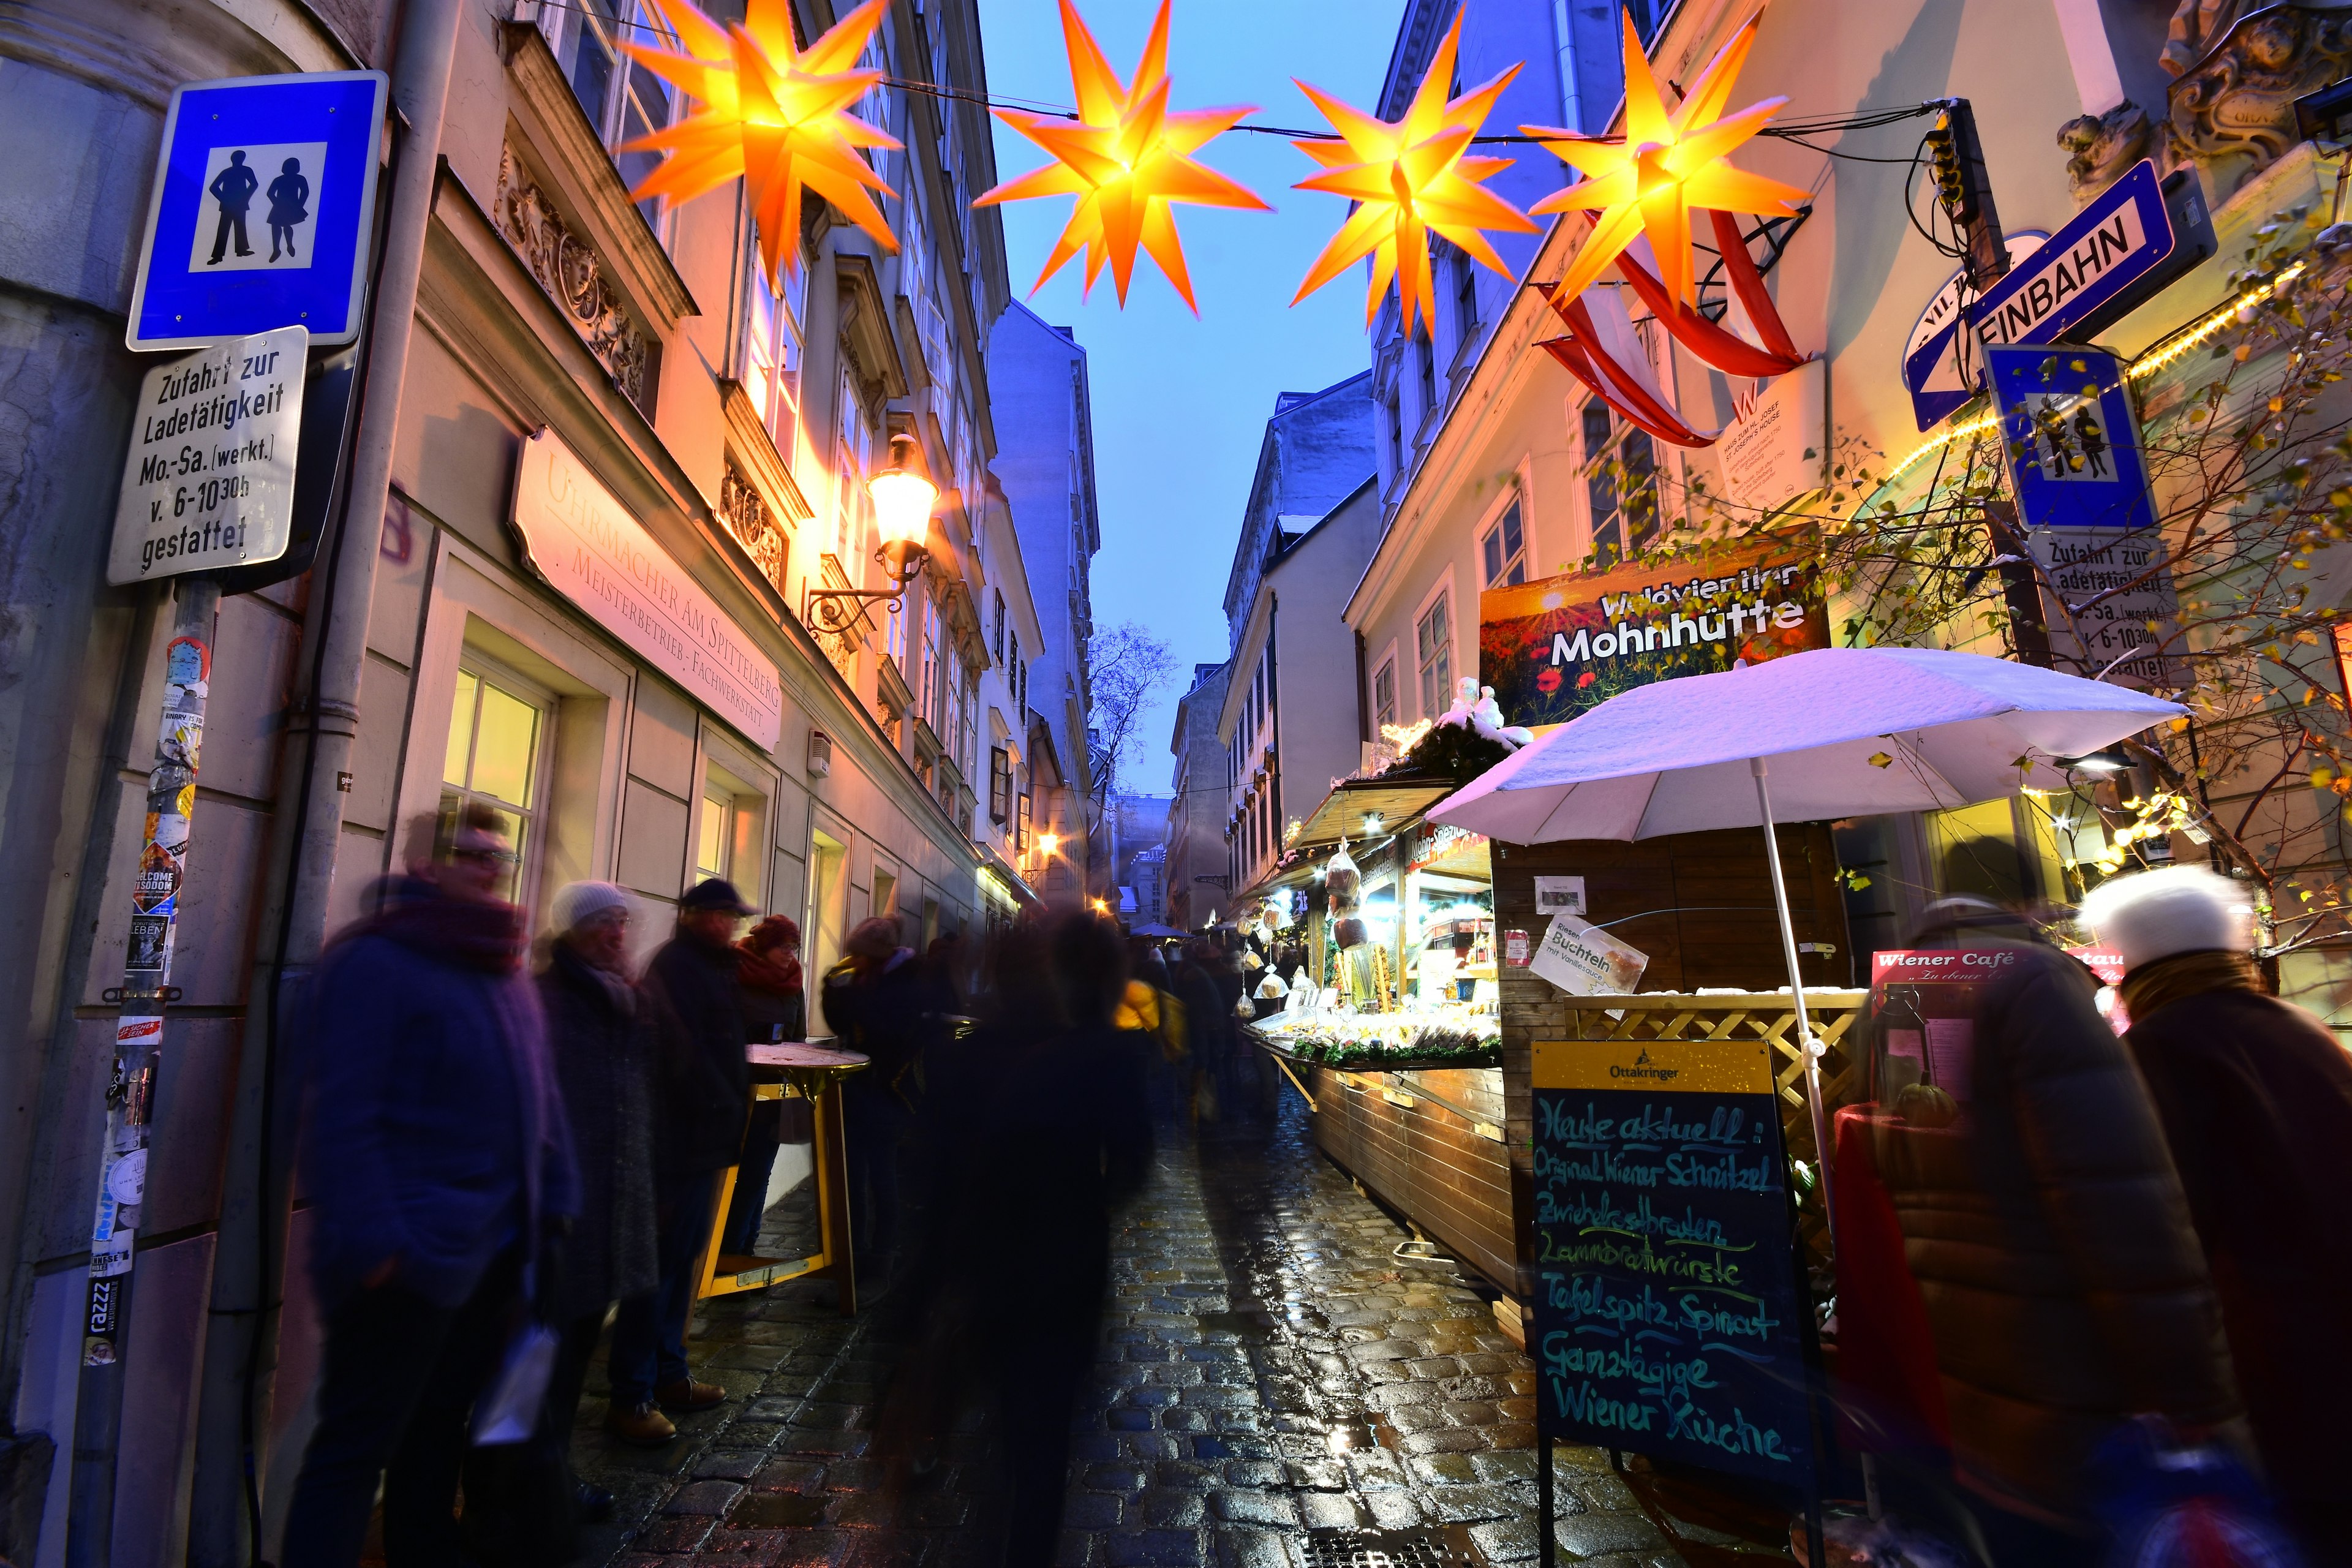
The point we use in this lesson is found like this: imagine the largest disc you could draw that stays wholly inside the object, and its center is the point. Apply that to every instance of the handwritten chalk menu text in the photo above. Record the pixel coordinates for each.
(1669, 1318)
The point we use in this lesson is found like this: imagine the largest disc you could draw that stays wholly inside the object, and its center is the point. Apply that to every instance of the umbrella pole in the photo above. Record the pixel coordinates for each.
(1805, 1041)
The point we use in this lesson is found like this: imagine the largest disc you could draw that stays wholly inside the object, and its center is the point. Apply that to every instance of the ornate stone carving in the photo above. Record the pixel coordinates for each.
(569, 271)
(754, 526)
(2232, 104)
(2103, 146)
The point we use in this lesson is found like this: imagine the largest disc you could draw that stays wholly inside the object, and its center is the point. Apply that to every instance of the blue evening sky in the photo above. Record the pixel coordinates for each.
(1179, 404)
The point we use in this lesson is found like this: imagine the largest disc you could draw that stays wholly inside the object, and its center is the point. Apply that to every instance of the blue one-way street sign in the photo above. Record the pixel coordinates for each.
(263, 210)
(2089, 271)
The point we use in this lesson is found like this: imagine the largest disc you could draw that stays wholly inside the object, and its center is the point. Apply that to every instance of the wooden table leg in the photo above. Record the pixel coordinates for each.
(832, 1194)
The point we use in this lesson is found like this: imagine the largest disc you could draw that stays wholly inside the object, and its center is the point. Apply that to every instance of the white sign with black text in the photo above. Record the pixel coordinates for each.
(1585, 961)
(1554, 894)
(209, 480)
(1772, 452)
(577, 535)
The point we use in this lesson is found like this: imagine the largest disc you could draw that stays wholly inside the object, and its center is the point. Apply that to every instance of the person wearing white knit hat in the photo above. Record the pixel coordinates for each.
(2256, 1101)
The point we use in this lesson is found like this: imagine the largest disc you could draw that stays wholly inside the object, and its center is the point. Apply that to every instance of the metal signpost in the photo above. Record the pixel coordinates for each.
(258, 242)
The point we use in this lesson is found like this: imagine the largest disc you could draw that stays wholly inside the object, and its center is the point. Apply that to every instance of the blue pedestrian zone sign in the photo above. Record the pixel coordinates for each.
(2074, 445)
(263, 210)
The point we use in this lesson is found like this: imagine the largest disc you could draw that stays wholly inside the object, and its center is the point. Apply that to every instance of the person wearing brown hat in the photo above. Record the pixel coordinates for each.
(704, 1087)
(2256, 1101)
(775, 1007)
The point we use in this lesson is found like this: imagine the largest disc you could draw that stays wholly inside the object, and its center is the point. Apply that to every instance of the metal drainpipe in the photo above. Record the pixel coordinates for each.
(241, 1337)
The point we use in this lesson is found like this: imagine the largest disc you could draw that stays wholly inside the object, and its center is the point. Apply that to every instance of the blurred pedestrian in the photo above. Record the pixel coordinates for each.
(2256, 1100)
(704, 1085)
(437, 1163)
(2044, 1221)
(876, 1000)
(1050, 1131)
(775, 1008)
(1207, 1022)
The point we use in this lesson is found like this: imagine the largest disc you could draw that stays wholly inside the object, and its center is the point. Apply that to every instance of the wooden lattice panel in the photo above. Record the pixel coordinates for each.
(1750, 1016)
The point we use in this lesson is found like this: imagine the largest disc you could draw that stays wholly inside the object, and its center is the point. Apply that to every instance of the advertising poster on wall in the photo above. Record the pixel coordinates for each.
(1556, 646)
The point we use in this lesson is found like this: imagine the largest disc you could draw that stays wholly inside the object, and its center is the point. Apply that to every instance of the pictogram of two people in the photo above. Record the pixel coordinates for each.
(234, 188)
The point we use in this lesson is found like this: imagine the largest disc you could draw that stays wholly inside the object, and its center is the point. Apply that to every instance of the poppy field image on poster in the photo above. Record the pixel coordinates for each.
(1556, 646)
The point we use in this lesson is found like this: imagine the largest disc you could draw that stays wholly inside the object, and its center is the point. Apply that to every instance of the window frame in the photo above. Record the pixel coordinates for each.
(529, 854)
(1501, 562)
(1435, 651)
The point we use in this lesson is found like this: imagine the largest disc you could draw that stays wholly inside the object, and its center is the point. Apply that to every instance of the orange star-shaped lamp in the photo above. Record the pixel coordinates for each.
(1667, 164)
(1127, 157)
(776, 116)
(1409, 178)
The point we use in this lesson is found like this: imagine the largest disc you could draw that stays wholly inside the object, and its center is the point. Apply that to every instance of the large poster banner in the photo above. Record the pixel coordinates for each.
(1556, 646)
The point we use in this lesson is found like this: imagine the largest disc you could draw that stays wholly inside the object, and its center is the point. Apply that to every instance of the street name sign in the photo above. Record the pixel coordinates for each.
(209, 480)
(263, 211)
(1931, 358)
(2093, 269)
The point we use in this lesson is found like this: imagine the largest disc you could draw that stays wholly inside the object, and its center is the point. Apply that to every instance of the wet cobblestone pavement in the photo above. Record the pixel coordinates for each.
(1268, 1369)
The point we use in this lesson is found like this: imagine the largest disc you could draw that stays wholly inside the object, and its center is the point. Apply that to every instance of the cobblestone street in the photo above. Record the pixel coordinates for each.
(1268, 1369)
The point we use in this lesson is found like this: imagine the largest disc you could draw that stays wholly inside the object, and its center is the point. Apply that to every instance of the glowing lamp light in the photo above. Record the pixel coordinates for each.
(1372, 822)
(1407, 179)
(1667, 164)
(903, 497)
(773, 115)
(1051, 843)
(1126, 156)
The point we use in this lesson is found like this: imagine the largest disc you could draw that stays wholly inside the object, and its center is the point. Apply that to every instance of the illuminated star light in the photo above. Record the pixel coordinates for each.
(772, 115)
(1126, 157)
(1409, 178)
(1667, 164)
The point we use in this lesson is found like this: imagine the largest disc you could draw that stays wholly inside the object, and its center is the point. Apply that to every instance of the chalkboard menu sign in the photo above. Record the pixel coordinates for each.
(1669, 1316)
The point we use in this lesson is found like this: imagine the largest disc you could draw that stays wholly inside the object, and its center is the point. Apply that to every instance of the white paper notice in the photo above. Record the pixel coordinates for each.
(591, 550)
(1555, 895)
(1585, 961)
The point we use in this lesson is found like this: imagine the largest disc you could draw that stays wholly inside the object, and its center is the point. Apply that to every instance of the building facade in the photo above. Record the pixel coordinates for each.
(1199, 863)
(1045, 462)
(554, 367)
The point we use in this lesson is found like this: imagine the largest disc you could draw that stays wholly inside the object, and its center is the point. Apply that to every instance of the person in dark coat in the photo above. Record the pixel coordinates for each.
(437, 1164)
(2256, 1100)
(877, 1002)
(600, 1032)
(775, 1008)
(1208, 1018)
(2062, 1284)
(704, 1085)
(1041, 1128)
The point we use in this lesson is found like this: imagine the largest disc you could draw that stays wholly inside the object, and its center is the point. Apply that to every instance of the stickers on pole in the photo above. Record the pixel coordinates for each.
(209, 480)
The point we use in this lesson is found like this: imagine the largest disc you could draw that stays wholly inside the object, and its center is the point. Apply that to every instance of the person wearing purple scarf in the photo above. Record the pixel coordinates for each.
(439, 1166)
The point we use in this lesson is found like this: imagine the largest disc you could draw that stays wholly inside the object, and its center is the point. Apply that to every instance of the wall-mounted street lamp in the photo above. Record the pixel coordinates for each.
(903, 497)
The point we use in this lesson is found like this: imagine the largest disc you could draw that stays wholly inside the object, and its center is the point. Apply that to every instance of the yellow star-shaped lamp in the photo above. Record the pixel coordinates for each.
(1667, 164)
(773, 115)
(1407, 179)
(1127, 157)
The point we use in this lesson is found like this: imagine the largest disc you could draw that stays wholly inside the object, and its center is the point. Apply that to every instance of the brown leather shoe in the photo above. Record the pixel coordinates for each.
(687, 1395)
(643, 1425)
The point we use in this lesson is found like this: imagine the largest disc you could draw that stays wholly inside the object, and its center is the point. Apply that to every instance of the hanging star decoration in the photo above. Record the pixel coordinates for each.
(1127, 157)
(1409, 178)
(1667, 165)
(773, 115)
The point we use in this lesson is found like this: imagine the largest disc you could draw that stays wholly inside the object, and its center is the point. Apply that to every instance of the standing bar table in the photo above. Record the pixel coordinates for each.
(813, 1073)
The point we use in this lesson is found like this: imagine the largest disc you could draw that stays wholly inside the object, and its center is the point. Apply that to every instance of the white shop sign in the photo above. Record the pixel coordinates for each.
(1585, 961)
(580, 539)
(209, 480)
(1772, 453)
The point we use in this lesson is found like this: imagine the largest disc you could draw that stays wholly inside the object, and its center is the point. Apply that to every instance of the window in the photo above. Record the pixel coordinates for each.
(1503, 553)
(1020, 820)
(1621, 485)
(1424, 357)
(623, 99)
(853, 455)
(1433, 638)
(1000, 784)
(996, 634)
(714, 839)
(1465, 297)
(926, 678)
(1384, 696)
(1395, 407)
(771, 354)
(497, 750)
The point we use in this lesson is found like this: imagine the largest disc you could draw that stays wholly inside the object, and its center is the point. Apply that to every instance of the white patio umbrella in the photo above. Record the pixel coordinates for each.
(1853, 732)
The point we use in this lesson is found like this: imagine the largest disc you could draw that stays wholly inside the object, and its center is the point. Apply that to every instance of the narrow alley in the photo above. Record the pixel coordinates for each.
(1271, 1381)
